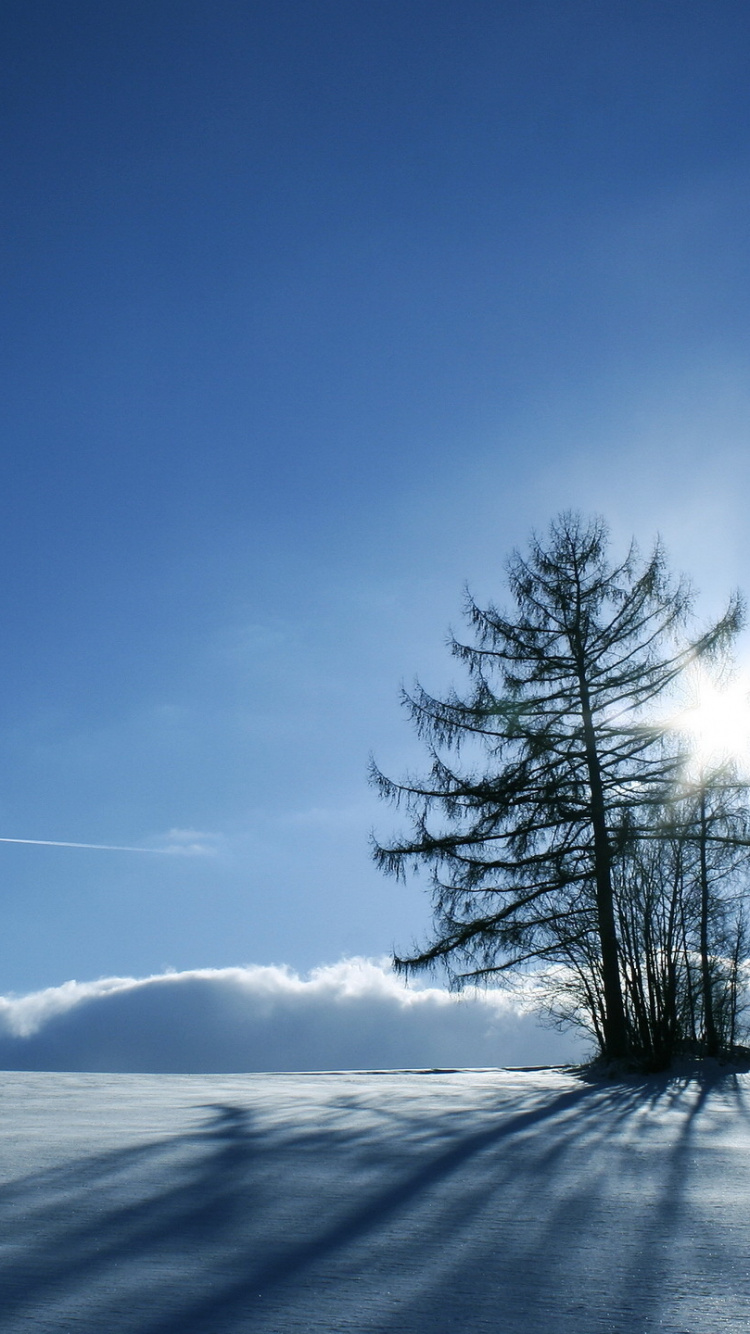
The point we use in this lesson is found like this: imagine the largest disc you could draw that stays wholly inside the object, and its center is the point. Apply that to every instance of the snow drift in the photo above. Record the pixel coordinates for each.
(353, 1015)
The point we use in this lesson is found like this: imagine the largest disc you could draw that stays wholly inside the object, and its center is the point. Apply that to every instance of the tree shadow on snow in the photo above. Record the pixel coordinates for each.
(558, 1210)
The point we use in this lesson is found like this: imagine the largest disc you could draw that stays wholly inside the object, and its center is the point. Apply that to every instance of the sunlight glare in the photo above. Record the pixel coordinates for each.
(717, 723)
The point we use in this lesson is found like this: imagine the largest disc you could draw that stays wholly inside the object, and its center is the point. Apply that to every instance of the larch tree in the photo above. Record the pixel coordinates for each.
(549, 766)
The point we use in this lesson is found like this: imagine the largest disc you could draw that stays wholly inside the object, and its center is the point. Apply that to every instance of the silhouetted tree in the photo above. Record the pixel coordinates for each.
(679, 899)
(550, 767)
(713, 822)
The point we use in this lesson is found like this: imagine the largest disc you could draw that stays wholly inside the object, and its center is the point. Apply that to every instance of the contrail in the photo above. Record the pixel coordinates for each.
(100, 847)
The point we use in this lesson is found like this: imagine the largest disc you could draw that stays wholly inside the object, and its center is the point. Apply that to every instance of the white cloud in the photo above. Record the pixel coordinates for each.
(355, 1014)
(187, 843)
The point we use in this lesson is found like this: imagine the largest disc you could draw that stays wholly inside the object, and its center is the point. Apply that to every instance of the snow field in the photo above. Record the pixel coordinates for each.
(490, 1202)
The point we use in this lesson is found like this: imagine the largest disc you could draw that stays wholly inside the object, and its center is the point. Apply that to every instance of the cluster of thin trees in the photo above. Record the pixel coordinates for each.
(567, 824)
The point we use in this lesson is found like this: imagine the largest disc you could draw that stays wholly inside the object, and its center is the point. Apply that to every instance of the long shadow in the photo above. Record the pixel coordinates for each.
(210, 1197)
(66, 1253)
(652, 1251)
(203, 1187)
(291, 1262)
(549, 1283)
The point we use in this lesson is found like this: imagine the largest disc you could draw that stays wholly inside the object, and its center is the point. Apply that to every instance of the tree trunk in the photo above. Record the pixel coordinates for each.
(709, 1023)
(615, 1027)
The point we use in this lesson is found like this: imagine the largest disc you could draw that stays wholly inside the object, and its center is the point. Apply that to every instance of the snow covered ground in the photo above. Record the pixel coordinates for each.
(396, 1203)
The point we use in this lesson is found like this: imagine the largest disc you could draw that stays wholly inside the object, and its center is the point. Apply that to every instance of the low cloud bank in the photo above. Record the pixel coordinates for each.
(352, 1015)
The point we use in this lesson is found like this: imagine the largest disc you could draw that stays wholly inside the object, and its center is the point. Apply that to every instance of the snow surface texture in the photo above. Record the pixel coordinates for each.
(348, 1015)
(487, 1202)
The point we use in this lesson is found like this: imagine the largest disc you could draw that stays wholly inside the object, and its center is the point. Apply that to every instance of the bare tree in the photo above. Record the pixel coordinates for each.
(713, 821)
(549, 767)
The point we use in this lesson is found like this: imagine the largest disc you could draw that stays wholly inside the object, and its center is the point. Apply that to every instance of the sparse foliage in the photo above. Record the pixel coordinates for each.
(552, 818)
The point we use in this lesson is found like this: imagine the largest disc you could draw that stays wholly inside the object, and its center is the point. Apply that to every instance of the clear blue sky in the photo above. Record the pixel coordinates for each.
(310, 312)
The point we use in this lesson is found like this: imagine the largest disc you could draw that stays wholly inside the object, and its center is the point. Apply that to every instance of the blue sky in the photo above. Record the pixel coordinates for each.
(310, 312)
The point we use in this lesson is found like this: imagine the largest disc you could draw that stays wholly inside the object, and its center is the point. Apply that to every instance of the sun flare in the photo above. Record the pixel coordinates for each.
(716, 723)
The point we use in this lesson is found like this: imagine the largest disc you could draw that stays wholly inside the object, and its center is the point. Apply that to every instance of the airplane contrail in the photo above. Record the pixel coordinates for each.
(100, 847)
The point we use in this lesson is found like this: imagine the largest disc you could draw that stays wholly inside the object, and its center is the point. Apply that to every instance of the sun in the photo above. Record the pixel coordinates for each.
(716, 723)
